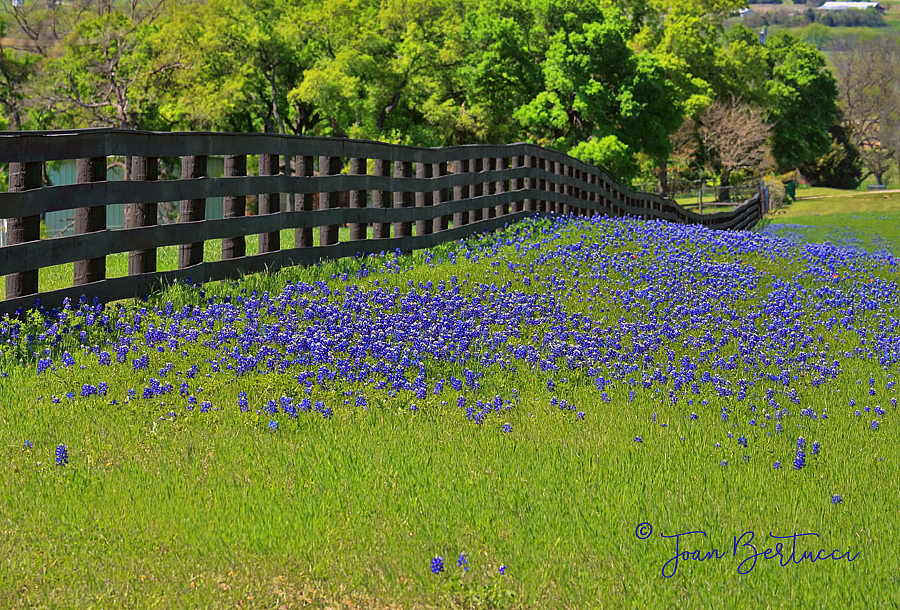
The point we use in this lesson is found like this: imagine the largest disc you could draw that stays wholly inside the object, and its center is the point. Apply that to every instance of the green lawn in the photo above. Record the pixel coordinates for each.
(168, 503)
(857, 219)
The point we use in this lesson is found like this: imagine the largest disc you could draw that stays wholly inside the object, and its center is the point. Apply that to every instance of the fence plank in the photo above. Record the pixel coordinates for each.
(143, 169)
(192, 210)
(90, 219)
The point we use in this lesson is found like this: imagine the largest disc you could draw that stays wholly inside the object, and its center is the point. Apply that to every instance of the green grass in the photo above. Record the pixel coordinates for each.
(861, 219)
(214, 511)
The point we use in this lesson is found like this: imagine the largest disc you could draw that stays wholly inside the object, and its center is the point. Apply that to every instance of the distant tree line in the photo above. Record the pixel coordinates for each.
(850, 18)
(641, 87)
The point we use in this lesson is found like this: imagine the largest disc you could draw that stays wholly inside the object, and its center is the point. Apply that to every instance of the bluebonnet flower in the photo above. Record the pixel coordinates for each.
(437, 565)
(874, 424)
(799, 460)
(742, 441)
(724, 462)
(815, 448)
(776, 465)
(580, 415)
(28, 444)
(62, 455)
(507, 428)
(836, 499)
(273, 425)
(501, 569)
(801, 443)
(638, 439)
(462, 562)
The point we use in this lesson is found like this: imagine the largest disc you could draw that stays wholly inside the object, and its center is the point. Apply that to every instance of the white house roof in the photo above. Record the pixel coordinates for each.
(842, 6)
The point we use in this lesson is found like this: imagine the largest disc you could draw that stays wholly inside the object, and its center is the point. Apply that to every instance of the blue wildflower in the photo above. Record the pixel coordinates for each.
(62, 455)
(437, 565)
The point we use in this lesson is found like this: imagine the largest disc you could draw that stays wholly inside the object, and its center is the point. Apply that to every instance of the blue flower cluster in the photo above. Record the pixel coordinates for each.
(737, 329)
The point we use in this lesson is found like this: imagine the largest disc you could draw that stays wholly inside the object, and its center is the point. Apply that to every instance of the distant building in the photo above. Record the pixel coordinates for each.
(846, 6)
(745, 12)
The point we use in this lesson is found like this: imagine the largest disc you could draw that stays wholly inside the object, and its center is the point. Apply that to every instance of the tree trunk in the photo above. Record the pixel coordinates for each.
(663, 181)
(878, 177)
(722, 195)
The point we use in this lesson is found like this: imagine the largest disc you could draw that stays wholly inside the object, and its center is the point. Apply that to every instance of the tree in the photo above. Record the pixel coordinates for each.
(803, 96)
(600, 101)
(16, 70)
(840, 167)
(735, 135)
(102, 75)
(237, 59)
(867, 75)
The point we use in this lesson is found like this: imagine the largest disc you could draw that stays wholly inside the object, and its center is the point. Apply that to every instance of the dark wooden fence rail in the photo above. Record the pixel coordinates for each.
(410, 199)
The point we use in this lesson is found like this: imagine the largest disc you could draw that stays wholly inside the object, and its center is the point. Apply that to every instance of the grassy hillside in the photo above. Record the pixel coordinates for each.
(522, 420)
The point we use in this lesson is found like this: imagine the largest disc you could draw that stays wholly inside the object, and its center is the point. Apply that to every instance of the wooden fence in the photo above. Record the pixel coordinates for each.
(413, 198)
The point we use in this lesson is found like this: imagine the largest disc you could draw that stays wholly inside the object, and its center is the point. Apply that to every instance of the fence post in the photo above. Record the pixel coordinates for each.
(358, 230)
(403, 199)
(328, 166)
(574, 190)
(560, 171)
(143, 169)
(424, 198)
(517, 184)
(530, 182)
(269, 203)
(90, 219)
(234, 206)
(502, 209)
(476, 166)
(23, 177)
(489, 211)
(303, 202)
(460, 166)
(381, 230)
(192, 210)
(440, 196)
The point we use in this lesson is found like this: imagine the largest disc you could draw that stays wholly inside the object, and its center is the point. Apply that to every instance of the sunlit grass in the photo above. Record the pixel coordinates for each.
(214, 510)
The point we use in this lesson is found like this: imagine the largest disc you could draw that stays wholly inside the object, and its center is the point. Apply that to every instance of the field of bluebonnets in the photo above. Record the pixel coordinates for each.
(521, 420)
